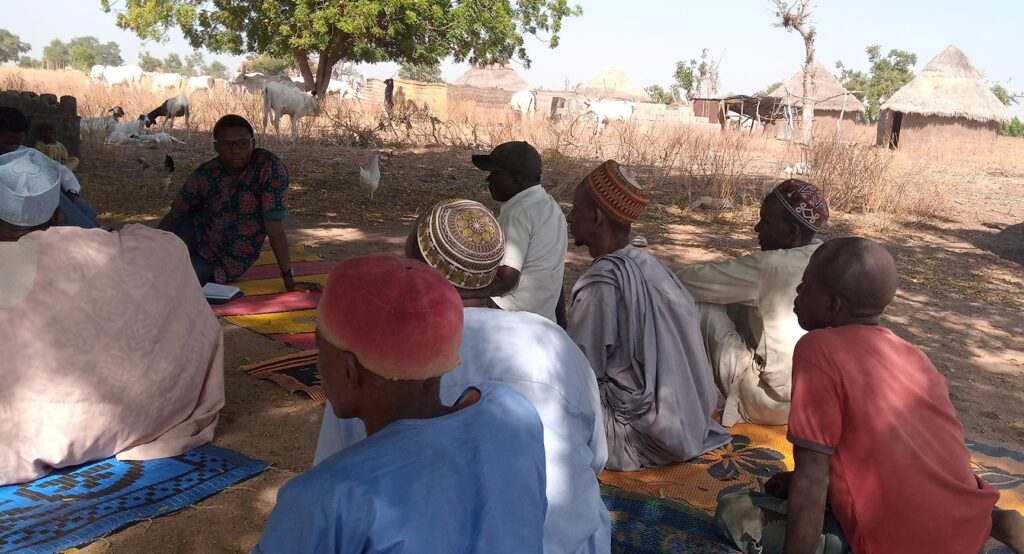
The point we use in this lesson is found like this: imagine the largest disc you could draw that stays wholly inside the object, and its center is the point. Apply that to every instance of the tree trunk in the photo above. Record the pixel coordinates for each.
(302, 60)
(323, 72)
(807, 117)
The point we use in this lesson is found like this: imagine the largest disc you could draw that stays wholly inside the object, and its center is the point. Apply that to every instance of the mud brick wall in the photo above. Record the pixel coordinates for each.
(45, 108)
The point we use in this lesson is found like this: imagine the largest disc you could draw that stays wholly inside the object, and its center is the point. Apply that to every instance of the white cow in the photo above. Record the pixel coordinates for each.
(343, 89)
(606, 111)
(164, 81)
(524, 102)
(251, 82)
(282, 99)
(126, 74)
(203, 83)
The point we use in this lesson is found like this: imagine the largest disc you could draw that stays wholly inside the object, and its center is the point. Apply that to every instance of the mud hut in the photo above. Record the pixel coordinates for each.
(614, 83)
(833, 103)
(493, 77)
(948, 103)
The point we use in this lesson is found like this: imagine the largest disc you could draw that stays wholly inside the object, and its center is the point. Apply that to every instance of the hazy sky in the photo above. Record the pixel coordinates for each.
(648, 37)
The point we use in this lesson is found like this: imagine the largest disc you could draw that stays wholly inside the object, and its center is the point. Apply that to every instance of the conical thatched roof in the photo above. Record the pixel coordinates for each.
(613, 82)
(493, 76)
(828, 91)
(949, 86)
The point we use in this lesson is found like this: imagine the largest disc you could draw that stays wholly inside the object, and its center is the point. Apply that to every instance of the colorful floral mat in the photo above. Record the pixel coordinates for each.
(268, 309)
(77, 505)
(759, 451)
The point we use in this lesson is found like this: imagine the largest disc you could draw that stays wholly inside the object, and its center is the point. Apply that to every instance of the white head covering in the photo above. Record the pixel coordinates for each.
(29, 187)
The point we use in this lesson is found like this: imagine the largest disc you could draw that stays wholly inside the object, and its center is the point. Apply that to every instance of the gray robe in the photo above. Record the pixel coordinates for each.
(638, 326)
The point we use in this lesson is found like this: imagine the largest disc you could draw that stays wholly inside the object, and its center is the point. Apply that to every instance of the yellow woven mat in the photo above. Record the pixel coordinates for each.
(298, 321)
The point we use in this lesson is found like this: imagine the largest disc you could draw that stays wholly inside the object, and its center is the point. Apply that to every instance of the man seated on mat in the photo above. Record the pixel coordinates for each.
(230, 204)
(530, 276)
(76, 211)
(463, 240)
(637, 325)
(465, 477)
(875, 436)
(746, 306)
(109, 346)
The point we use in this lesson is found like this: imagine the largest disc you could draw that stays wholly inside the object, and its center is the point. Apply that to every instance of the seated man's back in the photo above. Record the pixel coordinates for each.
(899, 466)
(638, 327)
(111, 349)
(429, 485)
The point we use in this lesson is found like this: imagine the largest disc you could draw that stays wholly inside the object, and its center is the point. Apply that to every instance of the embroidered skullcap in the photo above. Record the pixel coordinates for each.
(463, 240)
(616, 191)
(29, 187)
(804, 201)
(399, 317)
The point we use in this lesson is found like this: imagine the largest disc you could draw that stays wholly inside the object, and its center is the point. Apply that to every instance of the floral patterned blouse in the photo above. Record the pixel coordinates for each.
(229, 211)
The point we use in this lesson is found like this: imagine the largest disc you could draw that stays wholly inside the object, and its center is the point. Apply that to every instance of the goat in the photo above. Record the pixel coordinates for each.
(97, 125)
(171, 108)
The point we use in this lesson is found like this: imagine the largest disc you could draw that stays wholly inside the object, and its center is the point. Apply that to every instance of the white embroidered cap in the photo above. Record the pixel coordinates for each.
(29, 187)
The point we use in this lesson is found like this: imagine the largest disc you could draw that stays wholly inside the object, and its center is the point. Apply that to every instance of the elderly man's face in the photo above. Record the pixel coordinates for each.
(582, 217)
(10, 141)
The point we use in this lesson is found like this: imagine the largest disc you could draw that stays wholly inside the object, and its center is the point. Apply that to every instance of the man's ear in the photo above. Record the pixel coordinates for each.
(352, 376)
(600, 218)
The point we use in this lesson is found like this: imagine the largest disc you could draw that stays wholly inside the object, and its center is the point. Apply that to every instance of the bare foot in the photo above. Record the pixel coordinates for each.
(1008, 528)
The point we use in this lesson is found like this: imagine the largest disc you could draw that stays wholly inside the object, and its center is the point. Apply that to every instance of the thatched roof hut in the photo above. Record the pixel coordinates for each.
(613, 82)
(827, 91)
(493, 76)
(948, 102)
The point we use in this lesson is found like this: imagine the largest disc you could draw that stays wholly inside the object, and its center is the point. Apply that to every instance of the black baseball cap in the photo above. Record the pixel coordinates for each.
(516, 157)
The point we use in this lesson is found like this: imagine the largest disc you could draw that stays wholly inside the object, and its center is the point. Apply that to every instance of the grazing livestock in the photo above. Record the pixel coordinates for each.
(606, 111)
(100, 125)
(203, 83)
(343, 89)
(126, 74)
(524, 102)
(250, 82)
(171, 108)
(164, 81)
(124, 131)
(281, 100)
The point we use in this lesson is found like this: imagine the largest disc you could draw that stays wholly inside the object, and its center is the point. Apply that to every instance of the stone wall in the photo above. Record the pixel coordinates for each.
(45, 108)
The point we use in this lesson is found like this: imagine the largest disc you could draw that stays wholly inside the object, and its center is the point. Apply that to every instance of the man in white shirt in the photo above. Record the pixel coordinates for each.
(530, 276)
(746, 306)
(526, 352)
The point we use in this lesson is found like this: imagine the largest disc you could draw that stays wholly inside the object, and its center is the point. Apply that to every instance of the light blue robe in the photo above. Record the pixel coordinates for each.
(469, 481)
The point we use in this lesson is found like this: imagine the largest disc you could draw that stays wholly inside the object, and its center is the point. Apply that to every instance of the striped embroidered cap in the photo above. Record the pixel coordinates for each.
(463, 240)
(616, 191)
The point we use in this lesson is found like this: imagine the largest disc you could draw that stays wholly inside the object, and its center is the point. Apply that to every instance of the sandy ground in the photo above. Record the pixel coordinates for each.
(959, 300)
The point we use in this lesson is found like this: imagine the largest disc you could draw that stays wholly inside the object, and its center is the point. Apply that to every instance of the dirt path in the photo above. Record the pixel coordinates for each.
(959, 301)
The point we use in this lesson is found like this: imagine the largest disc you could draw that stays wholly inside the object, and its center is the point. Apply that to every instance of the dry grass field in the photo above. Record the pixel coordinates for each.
(953, 218)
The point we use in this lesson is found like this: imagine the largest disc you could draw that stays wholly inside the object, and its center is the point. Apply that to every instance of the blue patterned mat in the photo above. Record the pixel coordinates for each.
(643, 524)
(76, 505)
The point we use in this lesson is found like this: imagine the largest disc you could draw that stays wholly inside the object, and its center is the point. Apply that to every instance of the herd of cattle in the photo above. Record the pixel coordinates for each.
(283, 95)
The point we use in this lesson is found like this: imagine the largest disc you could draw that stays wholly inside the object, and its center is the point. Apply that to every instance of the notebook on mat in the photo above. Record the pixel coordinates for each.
(219, 294)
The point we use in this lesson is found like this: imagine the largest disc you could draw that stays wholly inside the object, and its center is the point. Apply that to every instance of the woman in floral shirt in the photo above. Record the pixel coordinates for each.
(229, 205)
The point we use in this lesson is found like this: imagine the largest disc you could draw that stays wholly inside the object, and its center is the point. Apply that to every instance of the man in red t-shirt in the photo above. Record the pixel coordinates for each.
(873, 430)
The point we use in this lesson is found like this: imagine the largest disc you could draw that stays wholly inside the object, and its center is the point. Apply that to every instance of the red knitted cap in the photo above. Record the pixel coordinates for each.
(616, 191)
(400, 318)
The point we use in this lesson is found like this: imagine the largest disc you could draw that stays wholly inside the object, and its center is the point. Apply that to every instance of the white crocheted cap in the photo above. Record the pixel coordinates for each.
(29, 187)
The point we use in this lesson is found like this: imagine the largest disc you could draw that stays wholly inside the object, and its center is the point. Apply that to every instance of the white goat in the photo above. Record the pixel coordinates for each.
(169, 110)
(100, 125)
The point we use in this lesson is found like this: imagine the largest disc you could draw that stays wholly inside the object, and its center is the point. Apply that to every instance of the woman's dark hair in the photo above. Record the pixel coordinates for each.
(233, 121)
(45, 128)
(12, 120)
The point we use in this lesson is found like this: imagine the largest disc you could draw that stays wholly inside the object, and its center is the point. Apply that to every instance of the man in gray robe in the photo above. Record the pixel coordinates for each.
(639, 328)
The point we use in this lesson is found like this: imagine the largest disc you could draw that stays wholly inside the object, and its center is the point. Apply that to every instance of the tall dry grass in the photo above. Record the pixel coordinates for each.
(736, 166)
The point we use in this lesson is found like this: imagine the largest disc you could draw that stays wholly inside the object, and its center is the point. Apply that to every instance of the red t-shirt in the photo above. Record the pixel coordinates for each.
(900, 477)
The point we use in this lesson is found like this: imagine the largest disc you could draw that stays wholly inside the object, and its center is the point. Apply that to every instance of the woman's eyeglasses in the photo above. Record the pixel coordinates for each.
(234, 144)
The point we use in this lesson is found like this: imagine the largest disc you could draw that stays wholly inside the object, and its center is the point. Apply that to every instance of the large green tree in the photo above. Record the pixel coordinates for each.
(886, 75)
(11, 46)
(419, 32)
(216, 69)
(267, 65)
(84, 52)
(430, 73)
(55, 55)
(28, 62)
(149, 62)
(173, 64)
